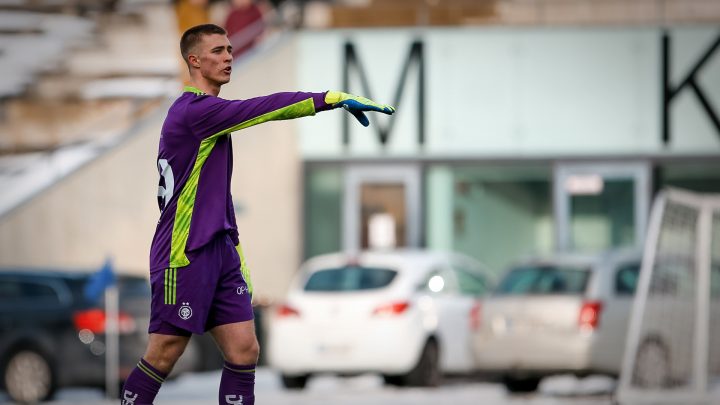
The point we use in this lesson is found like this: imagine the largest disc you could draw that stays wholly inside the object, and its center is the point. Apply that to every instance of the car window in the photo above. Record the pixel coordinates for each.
(626, 279)
(21, 292)
(10, 290)
(350, 278)
(715, 282)
(131, 287)
(545, 279)
(471, 283)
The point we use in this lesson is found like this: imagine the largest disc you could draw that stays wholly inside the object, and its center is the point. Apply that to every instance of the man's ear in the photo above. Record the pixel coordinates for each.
(194, 61)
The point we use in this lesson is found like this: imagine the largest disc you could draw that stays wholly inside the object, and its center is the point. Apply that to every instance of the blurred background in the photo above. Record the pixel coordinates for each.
(525, 129)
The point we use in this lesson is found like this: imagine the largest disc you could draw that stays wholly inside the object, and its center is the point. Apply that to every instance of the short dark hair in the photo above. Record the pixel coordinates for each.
(192, 36)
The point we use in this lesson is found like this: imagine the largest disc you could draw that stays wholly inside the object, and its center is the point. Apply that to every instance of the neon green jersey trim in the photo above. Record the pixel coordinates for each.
(191, 89)
(244, 269)
(170, 286)
(302, 108)
(186, 200)
(185, 205)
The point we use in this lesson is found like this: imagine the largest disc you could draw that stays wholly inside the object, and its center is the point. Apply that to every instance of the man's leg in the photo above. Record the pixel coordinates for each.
(240, 349)
(145, 380)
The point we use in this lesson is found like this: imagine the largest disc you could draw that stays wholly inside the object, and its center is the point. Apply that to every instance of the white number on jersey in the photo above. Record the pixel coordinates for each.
(166, 175)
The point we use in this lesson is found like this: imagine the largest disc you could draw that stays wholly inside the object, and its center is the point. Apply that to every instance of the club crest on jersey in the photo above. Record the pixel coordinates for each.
(185, 312)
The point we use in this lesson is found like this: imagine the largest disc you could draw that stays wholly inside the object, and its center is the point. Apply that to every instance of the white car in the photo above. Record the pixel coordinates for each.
(405, 314)
(564, 314)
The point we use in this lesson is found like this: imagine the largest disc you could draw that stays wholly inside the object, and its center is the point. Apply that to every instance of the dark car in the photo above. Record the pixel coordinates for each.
(52, 336)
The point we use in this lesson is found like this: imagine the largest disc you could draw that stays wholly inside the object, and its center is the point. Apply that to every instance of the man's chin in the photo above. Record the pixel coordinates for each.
(222, 80)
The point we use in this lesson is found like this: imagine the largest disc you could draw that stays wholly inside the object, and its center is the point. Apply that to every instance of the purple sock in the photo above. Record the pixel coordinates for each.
(237, 385)
(142, 384)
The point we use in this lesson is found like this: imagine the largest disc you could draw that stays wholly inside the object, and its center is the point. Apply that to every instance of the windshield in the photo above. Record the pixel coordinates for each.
(134, 287)
(350, 278)
(546, 279)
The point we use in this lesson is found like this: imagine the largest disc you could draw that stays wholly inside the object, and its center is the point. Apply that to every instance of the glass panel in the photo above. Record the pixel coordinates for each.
(470, 283)
(703, 178)
(714, 338)
(349, 279)
(131, 287)
(323, 202)
(27, 293)
(500, 214)
(10, 290)
(626, 279)
(604, 218)
(544, 280)
(37, 291)
(382, 208)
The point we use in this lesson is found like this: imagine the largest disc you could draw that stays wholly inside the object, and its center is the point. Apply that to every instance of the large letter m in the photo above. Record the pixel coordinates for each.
(415, 56)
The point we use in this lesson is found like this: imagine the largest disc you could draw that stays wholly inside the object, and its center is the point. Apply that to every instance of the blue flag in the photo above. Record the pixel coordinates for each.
(98, 282)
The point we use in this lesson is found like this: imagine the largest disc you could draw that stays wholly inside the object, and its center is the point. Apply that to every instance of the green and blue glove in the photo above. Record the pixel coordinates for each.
(356, 105)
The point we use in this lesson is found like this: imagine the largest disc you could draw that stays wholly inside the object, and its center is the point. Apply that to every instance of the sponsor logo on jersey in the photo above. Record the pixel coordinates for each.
(185, 312)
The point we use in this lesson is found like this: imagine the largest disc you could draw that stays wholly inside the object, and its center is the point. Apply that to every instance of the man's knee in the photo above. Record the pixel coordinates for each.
(164, 351)
(244, 351)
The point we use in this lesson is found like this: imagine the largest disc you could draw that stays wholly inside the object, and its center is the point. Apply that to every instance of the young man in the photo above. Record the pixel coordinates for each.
(199, 278)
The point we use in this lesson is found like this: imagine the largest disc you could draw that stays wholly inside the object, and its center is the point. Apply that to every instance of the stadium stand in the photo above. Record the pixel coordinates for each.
(77, 75)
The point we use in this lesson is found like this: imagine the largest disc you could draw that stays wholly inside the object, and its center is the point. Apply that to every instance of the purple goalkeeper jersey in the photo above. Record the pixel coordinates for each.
(195, 163)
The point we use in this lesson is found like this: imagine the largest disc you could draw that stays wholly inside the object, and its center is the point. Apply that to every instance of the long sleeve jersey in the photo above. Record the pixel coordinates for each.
(195, 162)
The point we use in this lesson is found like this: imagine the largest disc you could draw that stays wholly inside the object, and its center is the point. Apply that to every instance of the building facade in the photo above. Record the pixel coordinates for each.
(507, 143)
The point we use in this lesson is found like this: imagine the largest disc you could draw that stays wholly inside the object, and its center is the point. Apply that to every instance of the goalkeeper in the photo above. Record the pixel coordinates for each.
(199, 278)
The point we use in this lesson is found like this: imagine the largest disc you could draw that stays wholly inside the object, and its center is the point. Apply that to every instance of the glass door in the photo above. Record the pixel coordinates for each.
(381, 208)
(601, 206)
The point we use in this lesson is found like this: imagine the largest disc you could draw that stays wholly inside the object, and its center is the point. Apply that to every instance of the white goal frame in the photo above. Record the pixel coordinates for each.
(698, 391)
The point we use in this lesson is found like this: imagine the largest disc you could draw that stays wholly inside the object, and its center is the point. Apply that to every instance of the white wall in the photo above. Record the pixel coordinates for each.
(519, 92)
(105, 209)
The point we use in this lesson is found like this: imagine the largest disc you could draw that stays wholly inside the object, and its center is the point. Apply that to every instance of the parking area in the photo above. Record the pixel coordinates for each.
(201, 388)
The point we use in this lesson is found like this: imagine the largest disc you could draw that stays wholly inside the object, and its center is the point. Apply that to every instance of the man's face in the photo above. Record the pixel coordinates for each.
(214, 54)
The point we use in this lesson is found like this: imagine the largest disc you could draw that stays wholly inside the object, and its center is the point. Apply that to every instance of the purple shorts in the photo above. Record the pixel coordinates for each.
(208, 292)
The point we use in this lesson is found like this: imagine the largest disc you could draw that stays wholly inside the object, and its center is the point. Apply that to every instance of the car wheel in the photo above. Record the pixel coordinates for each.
(427, 371)
(29, 377)
(521, 385)
(294, 382)
(396, 380)
(652, 365)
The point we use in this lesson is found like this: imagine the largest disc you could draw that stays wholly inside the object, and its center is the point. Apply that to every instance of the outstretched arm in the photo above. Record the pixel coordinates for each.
(212, 116)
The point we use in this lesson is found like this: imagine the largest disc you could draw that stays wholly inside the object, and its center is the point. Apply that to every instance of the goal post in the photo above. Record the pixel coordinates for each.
(672, 351)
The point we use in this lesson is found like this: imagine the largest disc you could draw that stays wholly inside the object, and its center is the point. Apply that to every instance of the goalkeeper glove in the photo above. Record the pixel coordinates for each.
(356, 105)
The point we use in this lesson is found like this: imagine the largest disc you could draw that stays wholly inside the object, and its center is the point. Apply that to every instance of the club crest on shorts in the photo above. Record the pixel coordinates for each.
(185, 312)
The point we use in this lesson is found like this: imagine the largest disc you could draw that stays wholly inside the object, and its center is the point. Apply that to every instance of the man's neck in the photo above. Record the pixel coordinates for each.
(206, 87)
